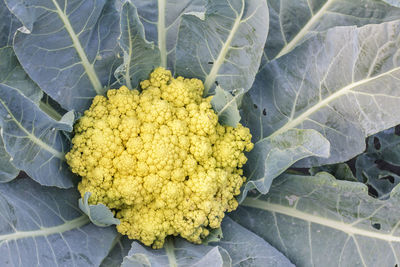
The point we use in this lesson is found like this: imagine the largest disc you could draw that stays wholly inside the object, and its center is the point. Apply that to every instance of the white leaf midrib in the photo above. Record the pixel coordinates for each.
(211, 76)
(32, 137)
(338, 225)
(341, 92)
(89, 68)
(300, 35)
(169, 250)
(67, 226)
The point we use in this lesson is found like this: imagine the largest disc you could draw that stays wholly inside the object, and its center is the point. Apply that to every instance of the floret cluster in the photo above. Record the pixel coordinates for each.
(159, 159)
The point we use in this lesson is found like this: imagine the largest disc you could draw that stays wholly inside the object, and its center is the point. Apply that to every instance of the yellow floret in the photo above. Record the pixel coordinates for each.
(159, 159)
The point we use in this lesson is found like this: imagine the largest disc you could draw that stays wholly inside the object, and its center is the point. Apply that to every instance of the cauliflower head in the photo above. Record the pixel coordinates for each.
(159, 159)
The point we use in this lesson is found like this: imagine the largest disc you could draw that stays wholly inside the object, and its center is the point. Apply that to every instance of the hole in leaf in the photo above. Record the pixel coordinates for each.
(210, 62)
(377, 143)
(372, 191)
(216, 83)
(255, 106)
(377, 226)
(390, 178)
(264, 112)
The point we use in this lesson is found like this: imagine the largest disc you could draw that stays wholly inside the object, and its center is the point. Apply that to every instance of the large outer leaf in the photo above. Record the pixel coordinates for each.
(224, 44)
(34, 140)
(239, 247)
(291, 22)
(140, 56)
(321, 221)
(393, 2)
(71, 52)
(273, 155)
(43, 227)
(161, 19)
(8, 25)
(120, 249)
(7, 168)
(375, 167)
(13, 75)
(343, 83)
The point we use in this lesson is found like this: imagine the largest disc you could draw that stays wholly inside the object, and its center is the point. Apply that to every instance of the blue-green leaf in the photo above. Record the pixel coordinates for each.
(120, 249)
(226, 105)
(99, 214)
(288, 29)
(8, 25)
(321, 221)
(140, 56)
(223, 45)
(13, 75)
(42, 226)
(34, 140)
(7, 168)
(271, 156)
(238, 247)
(329, 84)
(161, 20)
(70, 49)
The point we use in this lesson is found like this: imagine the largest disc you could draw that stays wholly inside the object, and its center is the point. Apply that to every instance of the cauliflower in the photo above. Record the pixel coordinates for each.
(159, 159)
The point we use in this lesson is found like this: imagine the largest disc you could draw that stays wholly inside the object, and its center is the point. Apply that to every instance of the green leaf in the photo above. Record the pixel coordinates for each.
(271, 156)
(225, 104)
(7, 169)
(239, 247)
(120, 249)
(69, 49)
(140, 56)
(341, 171)
(395, 3)
(223, 45)
(99, 214)
(288, 29)
(339, 83)
(42, 226)
(13, 75)
(321, 221)
(8, 25)
(34, 140)
(161, 20)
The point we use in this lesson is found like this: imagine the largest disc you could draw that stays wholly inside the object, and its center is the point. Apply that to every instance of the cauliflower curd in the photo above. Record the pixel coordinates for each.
(159, 159)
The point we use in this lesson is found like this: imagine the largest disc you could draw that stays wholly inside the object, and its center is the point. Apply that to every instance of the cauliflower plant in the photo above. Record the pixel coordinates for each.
(159, 159)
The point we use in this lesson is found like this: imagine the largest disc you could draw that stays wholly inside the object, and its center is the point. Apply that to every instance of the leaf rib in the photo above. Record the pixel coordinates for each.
(67, 226)
(343, 227)
(89, 68)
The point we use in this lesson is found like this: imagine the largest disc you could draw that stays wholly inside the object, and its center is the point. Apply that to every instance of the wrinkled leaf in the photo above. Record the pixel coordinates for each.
(321, 221)
(225, 104)
(99, 214)
(71, 52)
(271, 156)
(42, 226)
(7, 168)
(13, 75)
(176, 252)
(239, 247)
(34, 140)
(215, 235)
(161, 20)
(369, 172)
(341, 171)
(140, 56)
(288, 29)
(120, 248)
(8, 25)
(224, 45)
(395, 3)
(342, 83)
